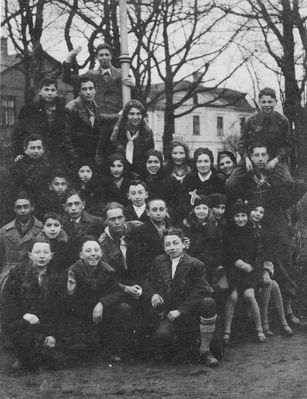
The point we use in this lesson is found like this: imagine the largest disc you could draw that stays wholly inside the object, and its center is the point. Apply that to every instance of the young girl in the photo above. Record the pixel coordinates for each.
(269, 287)
(241, 267)
(117, 182)
(226, 162)
(177, 163)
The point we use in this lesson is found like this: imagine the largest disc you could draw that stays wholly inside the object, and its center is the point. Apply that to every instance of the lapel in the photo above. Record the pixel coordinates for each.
(83, 112)
(182, 266)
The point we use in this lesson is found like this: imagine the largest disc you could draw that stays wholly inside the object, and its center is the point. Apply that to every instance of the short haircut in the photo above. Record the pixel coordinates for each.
(267, 91)
(104, 46)
(87, 238)
(52, 215)
(23, 195)
(173, 231)
(258, 144)
(72, 192)
(33, 137)
(48, 82)
(85, 79)
(57, 173)
(113, 205)
(41, 239)
(138, 182)
(156, 199)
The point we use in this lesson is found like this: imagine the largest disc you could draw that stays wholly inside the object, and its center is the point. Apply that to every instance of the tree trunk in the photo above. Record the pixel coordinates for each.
(169, 119)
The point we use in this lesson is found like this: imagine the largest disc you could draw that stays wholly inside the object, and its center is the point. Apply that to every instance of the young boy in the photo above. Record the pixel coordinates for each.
(44, 116)
(181, 298)
(138, 195)
(272, 129)
(30, 171)
(52, 199)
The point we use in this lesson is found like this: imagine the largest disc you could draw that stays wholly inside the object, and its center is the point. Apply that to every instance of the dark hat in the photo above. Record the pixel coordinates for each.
(225, 153)
(134, 104)
(116, 156)
(202, 150)
(217, 199)
(203, 199)
(238, 207)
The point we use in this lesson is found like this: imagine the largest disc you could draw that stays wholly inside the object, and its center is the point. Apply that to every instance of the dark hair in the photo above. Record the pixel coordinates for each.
(223, 154)
(173, 231)
(258, 144)
(48, 82)
(201, 150)
(57, 173)
(33, 137)
(84, 79)
(72, 192)
(217, 199)
(23, 195)
(138, 182)
(155, 153)
(52, 215)
(104, 46)
(87, 238)
(267, 91)
(156, 199)
(113, 205)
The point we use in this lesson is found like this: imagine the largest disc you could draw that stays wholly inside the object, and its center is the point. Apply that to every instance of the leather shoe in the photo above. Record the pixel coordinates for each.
(209, 360)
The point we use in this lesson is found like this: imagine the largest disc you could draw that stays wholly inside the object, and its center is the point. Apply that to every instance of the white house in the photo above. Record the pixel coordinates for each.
(223, 113)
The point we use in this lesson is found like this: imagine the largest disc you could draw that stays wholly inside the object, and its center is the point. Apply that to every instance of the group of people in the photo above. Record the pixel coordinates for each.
(114, 248)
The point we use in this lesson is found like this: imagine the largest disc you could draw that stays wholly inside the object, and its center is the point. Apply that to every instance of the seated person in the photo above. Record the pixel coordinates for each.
(52, 199)
(77, 223)
(45, 117)
(30, 172)
(180, 298)
(54, 234)
(137, 194)
(94, 314)
(31, 308)
(16, 237)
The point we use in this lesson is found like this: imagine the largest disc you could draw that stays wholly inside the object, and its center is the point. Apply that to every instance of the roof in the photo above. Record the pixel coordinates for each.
(12, 60)
(218, 97)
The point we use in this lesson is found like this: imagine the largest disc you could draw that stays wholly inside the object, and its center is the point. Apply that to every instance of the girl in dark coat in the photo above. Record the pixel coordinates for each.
(202, 181)
(241, 267)
(132, 135)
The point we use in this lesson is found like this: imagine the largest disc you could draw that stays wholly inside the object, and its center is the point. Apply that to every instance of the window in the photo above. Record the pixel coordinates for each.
(8, 110)
(196, 125)
(220, 125)
(242, 123)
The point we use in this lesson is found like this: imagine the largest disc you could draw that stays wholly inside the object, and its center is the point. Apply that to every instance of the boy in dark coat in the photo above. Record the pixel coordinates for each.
(137, 194)
(180, 297)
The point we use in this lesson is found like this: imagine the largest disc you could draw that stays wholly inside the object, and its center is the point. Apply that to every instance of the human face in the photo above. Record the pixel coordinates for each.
(257, 214)
(91, 253)
(49, 93)
(115, 220)
(23, 210)
(178, 155)
(34, 149)
(137, 195)
(41, 254)
(267, 104)
(240, 219)
(201, 211)
(203, 164)
(58, 186)
(218, 211)
(173, 246)
(104, 58)
(117, 169)
(85, 173)
(153, 165)
(226, 165)
(260, 157)
(157, 210)
(134, 117)
(74, 206)
(87, 91)
(52, 228)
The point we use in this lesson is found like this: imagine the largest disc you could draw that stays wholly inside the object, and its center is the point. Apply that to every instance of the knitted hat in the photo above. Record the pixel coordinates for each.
(218, 199)
(238, 207)
(117, 156)
(202, 150)
(203, 199)
(134, 104)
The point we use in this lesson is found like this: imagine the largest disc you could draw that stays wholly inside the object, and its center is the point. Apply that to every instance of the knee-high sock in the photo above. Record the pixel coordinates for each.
(207, 327)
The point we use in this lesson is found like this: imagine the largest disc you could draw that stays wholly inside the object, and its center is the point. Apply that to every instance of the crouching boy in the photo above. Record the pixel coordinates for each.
(181, 301)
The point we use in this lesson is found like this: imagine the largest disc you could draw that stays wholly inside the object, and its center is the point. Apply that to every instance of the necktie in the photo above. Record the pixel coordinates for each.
(91, 110)
(130, 145)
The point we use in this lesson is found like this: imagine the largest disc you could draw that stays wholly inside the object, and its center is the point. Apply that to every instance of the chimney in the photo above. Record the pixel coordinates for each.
(4, 46)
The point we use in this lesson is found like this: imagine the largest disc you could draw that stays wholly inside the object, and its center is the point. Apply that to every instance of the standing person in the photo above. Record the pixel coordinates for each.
(44, 117)
(83, 121)
(132, 134)
(31, 303)
(16, 237)
(108, 82)
(180, 300)
(272, 129)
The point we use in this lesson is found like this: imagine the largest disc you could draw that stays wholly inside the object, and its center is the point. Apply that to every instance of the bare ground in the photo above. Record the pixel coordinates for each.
(276, 369)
